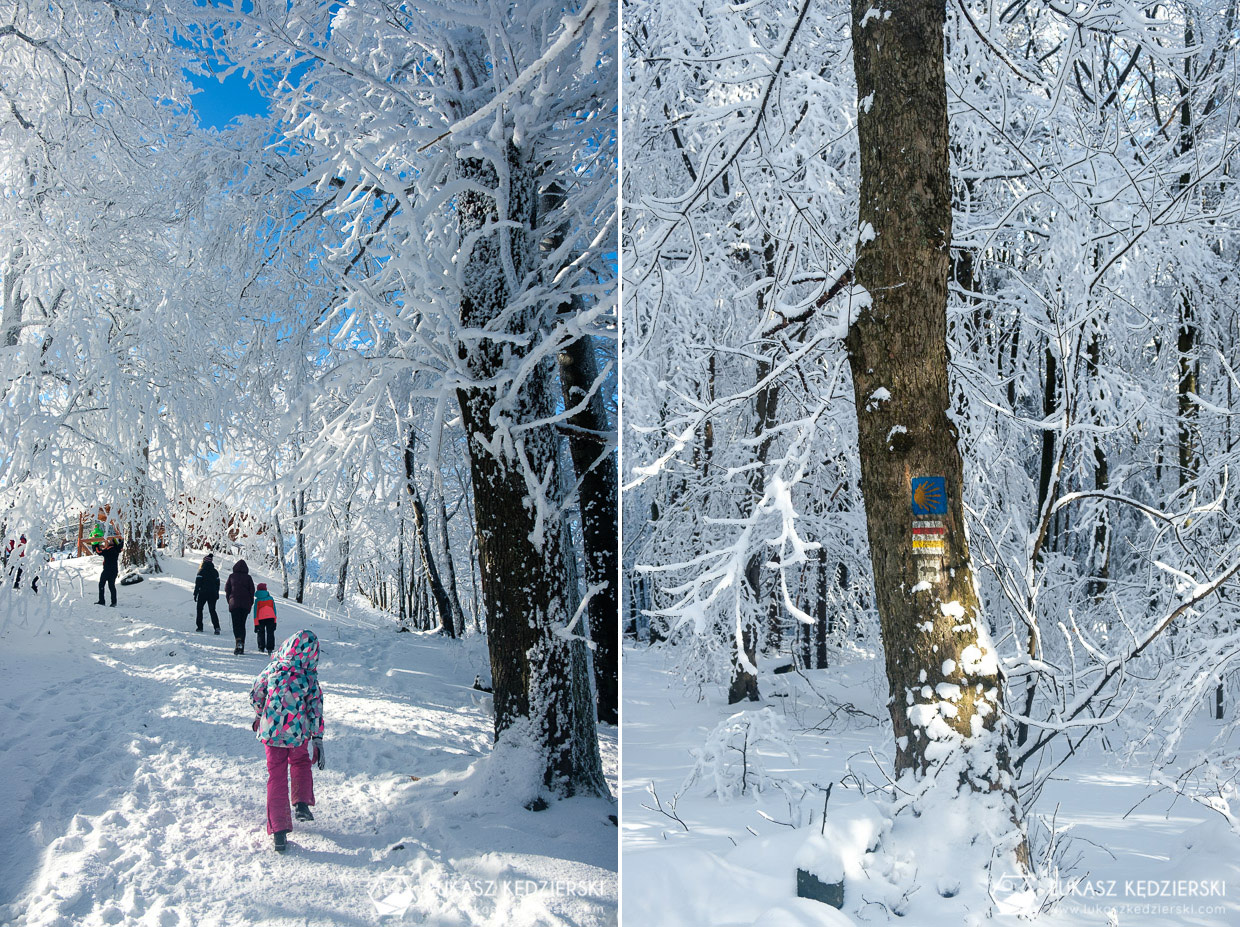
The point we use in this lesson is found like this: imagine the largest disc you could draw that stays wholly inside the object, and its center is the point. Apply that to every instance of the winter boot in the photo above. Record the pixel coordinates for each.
(302, 812)
(237, 649)
(217, 632)
(281, 840)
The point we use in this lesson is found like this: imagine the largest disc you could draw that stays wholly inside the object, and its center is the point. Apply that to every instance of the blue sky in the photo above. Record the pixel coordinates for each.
(218, 103)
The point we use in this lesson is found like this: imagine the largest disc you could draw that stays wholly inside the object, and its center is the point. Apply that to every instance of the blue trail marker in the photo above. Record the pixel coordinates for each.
(930, 495)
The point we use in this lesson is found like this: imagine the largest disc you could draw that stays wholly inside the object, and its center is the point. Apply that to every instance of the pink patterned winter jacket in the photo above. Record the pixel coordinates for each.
(287, 696)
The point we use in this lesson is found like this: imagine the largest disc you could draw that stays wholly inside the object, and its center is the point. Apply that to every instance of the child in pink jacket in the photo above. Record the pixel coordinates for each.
(289, 722)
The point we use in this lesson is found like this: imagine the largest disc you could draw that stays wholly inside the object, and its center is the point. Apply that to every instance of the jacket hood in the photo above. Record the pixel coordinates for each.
(240, 567)
(301, 650)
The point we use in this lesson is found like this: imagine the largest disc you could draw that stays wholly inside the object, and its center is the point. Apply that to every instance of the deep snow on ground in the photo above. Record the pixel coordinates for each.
(732, 866)
(132, 788)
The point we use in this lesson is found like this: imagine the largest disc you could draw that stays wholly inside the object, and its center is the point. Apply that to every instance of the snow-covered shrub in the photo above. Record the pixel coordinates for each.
(733, 760)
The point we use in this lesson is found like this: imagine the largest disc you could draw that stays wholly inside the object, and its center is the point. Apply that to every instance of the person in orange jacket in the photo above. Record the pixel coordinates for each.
(264, 619)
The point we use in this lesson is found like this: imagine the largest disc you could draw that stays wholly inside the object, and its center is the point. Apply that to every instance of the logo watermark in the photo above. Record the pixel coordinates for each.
(1116, 898)
(392, 896)
(1105, 889)
(398, 897)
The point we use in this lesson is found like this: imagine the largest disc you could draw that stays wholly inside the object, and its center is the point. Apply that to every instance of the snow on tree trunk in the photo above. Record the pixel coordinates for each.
(299, 530)
(595, 463)
(943, 674)
(590, 445)
(521, 545)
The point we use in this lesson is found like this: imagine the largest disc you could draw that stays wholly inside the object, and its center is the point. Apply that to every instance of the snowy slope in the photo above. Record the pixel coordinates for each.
(727, 865)
(133, 787)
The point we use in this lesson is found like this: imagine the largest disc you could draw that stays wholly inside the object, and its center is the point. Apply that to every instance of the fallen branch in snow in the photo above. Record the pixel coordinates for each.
(670, 811)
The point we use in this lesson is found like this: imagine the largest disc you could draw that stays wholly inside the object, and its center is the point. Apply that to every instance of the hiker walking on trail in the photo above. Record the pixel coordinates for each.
(111, 554)
(207, 590)
(289, 722)
(265, 619)
(239, 591)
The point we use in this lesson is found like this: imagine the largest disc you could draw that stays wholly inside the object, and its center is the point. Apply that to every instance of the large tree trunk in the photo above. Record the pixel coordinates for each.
(521, 545)
(943, 675)
(140, 549)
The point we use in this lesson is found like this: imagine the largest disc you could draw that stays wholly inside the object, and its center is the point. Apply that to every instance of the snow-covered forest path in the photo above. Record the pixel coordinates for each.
(133, 787)
(1127, 847)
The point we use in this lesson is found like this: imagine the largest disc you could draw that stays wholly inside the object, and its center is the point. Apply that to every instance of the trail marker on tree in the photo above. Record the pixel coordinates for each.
(929, 498)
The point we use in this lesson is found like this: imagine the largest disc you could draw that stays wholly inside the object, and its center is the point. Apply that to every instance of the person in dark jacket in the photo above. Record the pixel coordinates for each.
(111, 554)
(207, 590)
(239, 591)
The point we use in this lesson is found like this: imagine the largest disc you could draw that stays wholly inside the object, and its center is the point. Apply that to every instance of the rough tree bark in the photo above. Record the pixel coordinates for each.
(942, 672)
(521, 548)
(299, 531)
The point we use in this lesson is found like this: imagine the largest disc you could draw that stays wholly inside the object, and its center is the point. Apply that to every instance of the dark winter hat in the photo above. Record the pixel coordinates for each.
(262, 586)
(209, 557)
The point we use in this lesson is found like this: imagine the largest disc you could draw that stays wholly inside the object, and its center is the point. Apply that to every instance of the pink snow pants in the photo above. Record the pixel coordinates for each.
(283, 763)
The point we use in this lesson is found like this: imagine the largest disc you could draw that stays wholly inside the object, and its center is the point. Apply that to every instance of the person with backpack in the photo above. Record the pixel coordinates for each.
(111, 554)
(265, 619)
(239, 591)
(207, 591)
(289, 721)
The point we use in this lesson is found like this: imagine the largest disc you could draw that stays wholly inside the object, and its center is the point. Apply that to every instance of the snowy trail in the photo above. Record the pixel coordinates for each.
(134, 787)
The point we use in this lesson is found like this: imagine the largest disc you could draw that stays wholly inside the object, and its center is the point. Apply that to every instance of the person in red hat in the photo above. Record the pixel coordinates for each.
(265, 619)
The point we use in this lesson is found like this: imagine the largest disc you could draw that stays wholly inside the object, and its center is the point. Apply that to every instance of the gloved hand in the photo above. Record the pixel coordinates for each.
(316, 751)
(254, 726)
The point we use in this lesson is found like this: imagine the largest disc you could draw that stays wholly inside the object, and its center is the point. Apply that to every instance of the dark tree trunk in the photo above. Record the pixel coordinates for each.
(342, 580)
(590, 444)
(1100, 556)
(402, 582)
(822, 612)
(934, 633)
(280, 555)
(537, 691)
(299, 530)
(14, 300)
(449, 568)
(594, 460)
(421, 530)
(744, 683)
